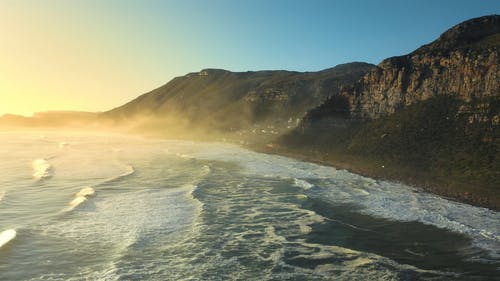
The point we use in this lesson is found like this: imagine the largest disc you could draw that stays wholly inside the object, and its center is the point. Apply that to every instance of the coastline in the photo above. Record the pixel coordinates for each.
(441, 187)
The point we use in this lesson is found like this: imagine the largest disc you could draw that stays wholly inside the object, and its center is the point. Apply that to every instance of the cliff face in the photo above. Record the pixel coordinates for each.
(432, 116)
(463, 62)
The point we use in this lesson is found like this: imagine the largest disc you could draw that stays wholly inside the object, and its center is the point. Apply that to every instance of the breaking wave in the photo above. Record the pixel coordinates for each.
(42, 169)
(402, 203)
(129, 170)
(80, 197)
(303, 184)
(86, 191)
(376, 198)
(7, 236)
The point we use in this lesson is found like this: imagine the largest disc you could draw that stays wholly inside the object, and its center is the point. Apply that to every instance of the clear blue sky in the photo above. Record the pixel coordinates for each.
(96, 54)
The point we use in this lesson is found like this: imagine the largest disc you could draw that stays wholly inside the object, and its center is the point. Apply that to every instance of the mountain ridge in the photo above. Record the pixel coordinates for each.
(259, 99)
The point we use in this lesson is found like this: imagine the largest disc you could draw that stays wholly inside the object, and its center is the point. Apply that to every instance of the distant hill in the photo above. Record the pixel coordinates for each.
(431, 117)
(48, 119)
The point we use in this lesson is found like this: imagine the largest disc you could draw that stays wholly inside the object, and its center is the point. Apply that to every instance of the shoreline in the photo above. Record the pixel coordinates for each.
(362, 167)
(443, 187)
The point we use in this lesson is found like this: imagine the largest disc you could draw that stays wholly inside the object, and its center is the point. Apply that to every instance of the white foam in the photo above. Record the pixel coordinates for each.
(205, 170)
(41, 169)
(2, 194)
(86, 191)
(303, 184)
(7, 236)
(399, 202)
(403, 203)
(377, 198)
(77, 201)
(80, 197)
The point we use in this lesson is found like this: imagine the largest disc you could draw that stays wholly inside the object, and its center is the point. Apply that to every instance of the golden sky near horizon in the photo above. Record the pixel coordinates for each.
(56, 59)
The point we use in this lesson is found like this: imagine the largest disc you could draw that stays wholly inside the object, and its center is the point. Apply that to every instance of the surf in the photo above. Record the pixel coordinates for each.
(7, 236)
(80, 197)
(42, 169)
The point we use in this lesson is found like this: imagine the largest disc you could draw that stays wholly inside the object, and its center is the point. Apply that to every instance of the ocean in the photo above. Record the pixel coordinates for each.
(93, 206)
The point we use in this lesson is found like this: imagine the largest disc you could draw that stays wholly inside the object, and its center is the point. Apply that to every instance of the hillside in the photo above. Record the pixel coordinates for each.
(431, 117)
(245, 104)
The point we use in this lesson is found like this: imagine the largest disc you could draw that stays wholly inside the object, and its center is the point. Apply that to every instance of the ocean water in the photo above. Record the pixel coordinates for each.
(80, 206)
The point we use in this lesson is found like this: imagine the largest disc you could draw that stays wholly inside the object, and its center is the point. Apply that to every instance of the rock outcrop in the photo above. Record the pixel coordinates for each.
(431, 117)
(463, 62)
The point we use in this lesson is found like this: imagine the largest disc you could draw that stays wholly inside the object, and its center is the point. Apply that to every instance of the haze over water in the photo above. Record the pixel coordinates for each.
(79, 206)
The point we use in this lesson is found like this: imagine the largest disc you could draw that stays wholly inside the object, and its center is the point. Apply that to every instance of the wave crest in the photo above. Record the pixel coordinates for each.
(80, 197)
(7, 236)
(303, 184)
(42, 169)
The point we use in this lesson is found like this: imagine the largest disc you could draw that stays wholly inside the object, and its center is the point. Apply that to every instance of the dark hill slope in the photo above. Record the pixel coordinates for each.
(235, 101)
(431, 117)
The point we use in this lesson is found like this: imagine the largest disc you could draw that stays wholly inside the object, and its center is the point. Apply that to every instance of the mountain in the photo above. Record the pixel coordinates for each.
(431, 117)
(247, 103)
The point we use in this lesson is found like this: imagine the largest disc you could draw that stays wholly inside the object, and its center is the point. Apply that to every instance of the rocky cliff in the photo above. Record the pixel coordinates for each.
(431, 117)
(463, 62)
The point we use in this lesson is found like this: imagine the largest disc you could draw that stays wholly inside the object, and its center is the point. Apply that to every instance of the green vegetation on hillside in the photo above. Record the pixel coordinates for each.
(441, 142)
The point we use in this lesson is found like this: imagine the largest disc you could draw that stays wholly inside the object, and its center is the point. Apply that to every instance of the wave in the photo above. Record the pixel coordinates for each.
(86, 191)
(42, 169)
(80, 197)
(205, 170)
(2, 194)
(402, 203)
(375, 198)
(129, 170)
(303, 184)
(7, 236)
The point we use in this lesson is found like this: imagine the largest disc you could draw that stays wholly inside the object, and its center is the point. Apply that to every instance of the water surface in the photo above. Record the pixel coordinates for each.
(79, 206)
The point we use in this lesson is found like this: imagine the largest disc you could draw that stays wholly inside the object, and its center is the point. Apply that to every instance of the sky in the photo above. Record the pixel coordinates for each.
(94, 55)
